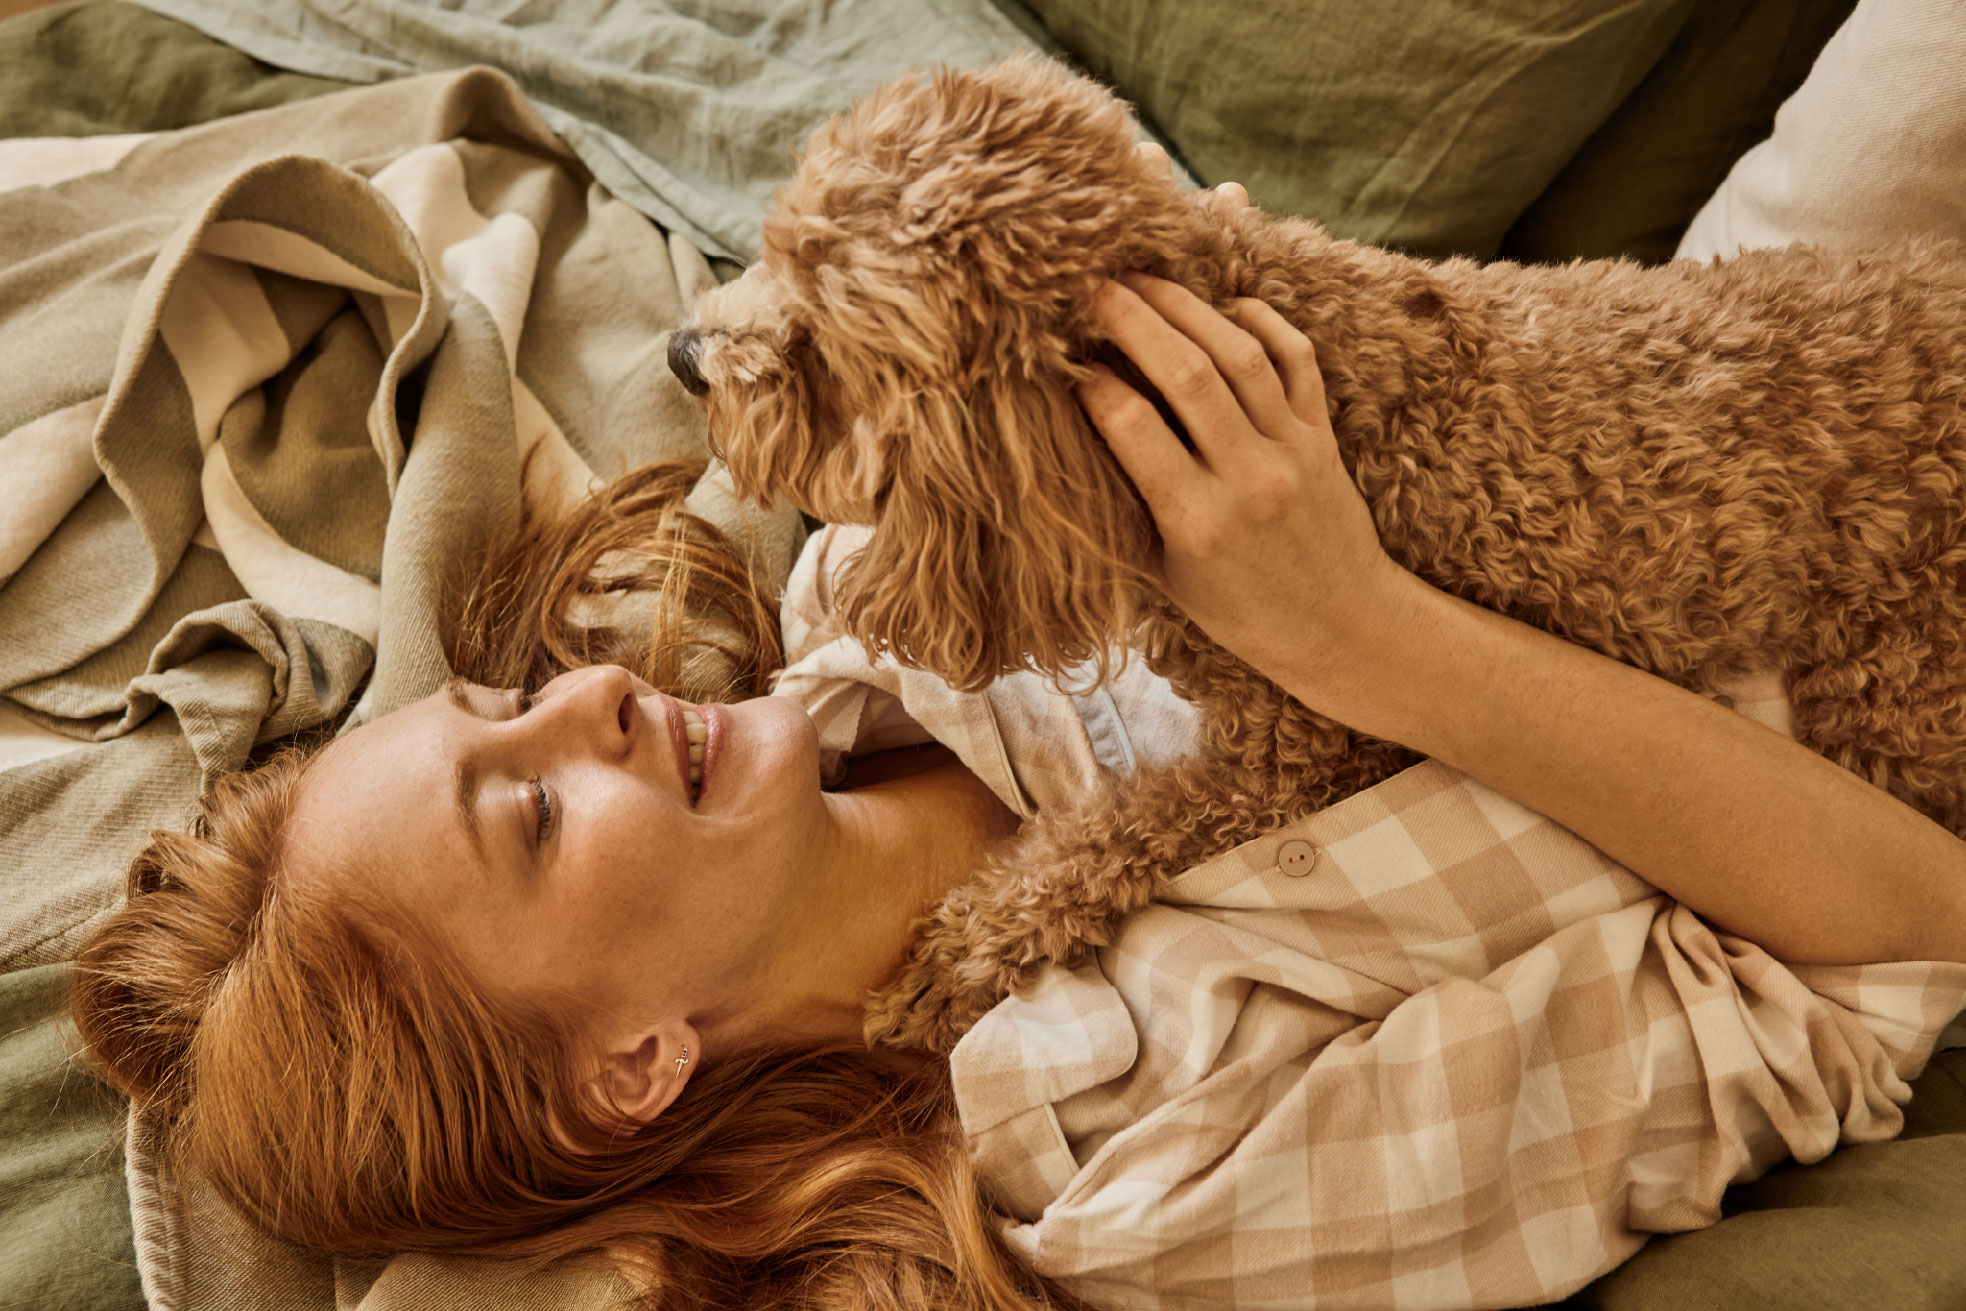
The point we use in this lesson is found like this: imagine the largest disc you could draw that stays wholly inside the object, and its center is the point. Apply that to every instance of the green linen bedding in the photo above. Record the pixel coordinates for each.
(1542, 130)
(88, 69)
(65, 1234)
(687, 111)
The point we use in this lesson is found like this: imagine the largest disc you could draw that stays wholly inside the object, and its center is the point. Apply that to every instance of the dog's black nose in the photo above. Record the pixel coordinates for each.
(683, 345)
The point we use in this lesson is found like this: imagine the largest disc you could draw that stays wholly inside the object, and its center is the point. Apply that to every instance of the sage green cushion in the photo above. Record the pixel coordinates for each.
(65, 1241)
(1423, 124)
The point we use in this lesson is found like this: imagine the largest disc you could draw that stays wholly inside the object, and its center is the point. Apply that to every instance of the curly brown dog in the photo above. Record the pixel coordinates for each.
(1706, 471)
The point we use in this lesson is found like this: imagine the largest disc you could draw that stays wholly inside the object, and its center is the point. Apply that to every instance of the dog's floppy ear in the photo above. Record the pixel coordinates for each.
(1021, 549)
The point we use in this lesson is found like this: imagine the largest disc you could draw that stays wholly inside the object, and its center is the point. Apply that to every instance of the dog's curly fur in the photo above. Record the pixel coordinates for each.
(1706, 471)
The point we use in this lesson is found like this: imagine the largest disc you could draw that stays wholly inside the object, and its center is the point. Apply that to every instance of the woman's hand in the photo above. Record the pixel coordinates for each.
(1266, 542)
(1153, 151)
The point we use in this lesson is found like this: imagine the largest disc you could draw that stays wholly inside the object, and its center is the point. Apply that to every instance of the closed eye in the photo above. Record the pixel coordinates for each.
(543, 807)
(524, 697)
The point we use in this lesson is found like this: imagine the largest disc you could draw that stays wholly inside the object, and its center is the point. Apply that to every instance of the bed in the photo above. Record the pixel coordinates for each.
(146, 153)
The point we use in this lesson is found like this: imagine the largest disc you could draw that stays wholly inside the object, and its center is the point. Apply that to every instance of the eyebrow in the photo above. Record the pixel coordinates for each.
(464, 778)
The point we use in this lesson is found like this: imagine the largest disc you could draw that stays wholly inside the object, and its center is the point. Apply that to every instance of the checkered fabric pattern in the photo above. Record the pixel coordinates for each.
(1424, 1049)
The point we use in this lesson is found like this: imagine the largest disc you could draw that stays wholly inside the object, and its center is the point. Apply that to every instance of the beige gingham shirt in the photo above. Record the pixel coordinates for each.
(1426, 1048)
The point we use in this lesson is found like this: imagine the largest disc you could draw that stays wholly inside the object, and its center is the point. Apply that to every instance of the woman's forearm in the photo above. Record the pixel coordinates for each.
(1760, 836)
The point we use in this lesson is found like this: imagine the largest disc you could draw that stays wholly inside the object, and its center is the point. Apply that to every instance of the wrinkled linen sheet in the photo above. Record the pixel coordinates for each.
(688, 110)
(272, 379)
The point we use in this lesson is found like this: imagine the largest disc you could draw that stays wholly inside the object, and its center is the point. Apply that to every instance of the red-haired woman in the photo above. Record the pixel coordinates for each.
(527, 972)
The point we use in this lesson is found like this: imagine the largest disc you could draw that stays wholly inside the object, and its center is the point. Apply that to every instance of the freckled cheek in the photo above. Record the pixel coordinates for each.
(625, 869)
(605, 932)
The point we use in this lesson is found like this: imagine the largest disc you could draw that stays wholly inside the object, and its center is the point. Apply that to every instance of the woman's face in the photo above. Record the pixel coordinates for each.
(617, 893)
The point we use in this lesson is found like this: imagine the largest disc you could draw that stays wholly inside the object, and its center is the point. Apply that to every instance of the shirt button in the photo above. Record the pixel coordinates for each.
(1296, 858)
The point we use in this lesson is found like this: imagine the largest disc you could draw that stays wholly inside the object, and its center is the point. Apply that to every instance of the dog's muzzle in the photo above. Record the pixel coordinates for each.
(683, 348)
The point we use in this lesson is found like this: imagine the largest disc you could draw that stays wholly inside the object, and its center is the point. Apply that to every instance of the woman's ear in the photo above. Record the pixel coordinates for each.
(645, 1072)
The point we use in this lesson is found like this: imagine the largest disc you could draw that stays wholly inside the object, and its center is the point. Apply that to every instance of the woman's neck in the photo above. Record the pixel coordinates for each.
(908, 825)
(896, 763)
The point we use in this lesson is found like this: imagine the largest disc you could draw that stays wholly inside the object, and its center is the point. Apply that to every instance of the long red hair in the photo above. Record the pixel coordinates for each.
(339, 1079)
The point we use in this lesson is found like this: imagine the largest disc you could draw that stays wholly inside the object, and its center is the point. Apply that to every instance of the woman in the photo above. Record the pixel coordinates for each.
(531, 978)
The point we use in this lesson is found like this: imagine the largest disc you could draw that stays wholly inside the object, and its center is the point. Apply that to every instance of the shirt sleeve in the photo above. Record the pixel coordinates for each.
(806, 620)
(1034, 742)
(1489, 1142)
(1406, 1090)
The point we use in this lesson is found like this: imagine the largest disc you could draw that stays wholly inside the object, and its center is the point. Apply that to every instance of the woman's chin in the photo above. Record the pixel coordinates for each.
(773, 748)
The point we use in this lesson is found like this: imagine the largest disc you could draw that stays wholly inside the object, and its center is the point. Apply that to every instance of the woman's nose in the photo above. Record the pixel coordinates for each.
(594, 707)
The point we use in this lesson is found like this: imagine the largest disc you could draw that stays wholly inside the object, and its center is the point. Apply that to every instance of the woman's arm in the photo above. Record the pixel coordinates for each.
(1760, 836)
(1757, 834)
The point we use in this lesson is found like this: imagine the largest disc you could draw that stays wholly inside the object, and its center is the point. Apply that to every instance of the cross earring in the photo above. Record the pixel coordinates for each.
(681, 1061)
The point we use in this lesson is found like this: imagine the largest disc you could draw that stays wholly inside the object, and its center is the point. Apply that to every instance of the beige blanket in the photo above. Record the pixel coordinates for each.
(270, 379)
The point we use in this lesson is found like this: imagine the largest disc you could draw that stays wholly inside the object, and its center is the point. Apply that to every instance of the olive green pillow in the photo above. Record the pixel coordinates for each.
(1423, 124)
(1640, 179)
(1881, 1225)
(1536, 130)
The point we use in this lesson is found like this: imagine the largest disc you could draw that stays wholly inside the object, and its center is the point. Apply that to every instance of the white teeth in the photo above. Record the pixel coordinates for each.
(697, 732)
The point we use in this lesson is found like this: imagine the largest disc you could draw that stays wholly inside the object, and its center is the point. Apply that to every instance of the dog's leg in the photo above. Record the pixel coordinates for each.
(1061, 887)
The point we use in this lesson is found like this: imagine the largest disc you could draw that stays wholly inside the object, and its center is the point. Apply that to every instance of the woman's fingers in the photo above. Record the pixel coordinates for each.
(1233, 356)
(1179, 369)
(1153, 457)
(1265, 536)
(1292, 354)
(1235, 191)
(1156, 153)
